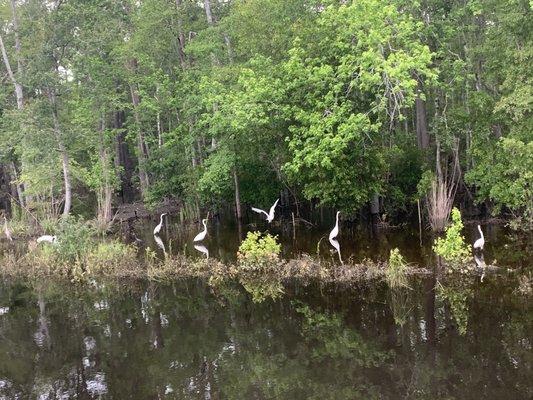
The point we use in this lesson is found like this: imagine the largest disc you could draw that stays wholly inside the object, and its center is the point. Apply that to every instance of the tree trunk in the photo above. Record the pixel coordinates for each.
(5, 190)
(227, 41)
(123, 159)
(17, 37)
(374, 208)
(106, 196)
(142, 148)
(159, 131)
(20, 100)
(421, 122)
(181, 38)
(208, 13)
(18, 87)
(237, 194)
(18, 186)
(63, 153)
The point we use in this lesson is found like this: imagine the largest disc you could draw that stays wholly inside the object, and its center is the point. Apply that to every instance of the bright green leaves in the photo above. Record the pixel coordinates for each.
(452, 247)
(216, 179)
(346, 86)
(335, 161)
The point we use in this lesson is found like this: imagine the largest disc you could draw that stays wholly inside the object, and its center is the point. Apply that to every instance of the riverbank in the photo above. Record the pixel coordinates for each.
(117, 260)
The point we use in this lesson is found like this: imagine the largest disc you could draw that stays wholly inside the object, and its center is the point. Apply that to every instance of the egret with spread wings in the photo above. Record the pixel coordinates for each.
(270, 214)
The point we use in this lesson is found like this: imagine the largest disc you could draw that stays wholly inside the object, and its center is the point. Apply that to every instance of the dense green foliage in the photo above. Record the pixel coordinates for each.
(228, 102)
(452, 247)
(258, 252)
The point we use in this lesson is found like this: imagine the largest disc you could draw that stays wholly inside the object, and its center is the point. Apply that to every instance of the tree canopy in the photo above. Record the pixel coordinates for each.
(333, 103)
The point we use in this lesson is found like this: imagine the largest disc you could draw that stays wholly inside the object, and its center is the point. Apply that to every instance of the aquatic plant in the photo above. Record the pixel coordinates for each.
(258, 252)
(400, 304)
(396, 272)
(452, 247)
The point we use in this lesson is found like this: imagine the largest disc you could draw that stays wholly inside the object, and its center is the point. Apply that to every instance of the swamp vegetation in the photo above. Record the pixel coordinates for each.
(412, 119)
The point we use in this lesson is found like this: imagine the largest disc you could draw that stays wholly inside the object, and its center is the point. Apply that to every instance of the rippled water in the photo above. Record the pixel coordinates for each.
(187, 340)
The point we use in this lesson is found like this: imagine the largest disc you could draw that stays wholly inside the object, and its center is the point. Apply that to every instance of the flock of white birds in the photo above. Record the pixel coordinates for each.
(478, 244)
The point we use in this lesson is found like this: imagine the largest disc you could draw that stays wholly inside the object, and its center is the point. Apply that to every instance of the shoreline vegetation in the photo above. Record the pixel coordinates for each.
(80, 258)
(123, 262)
(80, 253)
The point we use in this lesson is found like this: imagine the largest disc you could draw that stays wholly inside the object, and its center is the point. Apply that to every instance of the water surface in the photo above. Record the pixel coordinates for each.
(186, 340)
(357, 241)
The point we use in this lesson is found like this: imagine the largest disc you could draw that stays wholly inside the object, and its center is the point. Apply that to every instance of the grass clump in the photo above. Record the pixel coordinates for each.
(113, 257)
(259, 252)
(452, 247)
(396, 272)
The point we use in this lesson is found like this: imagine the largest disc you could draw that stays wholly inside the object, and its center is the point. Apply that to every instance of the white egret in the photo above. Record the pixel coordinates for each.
(6, 230)
(157, 229)
(270, 214)
(478, 244)
(202, 249)
(201, 236)
(335, 231)
(47, 238)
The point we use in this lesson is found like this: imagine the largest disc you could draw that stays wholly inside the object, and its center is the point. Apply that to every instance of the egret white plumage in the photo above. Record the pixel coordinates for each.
(270, 214)
(157, 229)
(478, 244)
(47, 238)
(335, 231)
(6, 230)
(201, 236)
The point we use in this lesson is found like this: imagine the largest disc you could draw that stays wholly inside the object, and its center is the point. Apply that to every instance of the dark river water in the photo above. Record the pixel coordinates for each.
(357, 242)
(443, 337)
(136, 340)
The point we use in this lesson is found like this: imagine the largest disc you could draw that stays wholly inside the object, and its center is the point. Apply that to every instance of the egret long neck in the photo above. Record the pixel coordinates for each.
(480, 232)
(161, 220)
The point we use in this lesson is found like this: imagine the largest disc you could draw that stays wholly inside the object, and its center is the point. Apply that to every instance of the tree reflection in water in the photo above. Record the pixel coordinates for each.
(195, 341)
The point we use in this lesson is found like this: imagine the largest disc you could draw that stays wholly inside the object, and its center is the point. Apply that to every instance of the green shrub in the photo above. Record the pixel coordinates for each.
(259, 252)
(396, 273)
(75, 238)
(452, 246)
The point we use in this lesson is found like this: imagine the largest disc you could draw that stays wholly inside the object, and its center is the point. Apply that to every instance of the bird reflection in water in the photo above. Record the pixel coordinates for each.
(202, 249)
(160, 244)
(480, 262)
(337, 247)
